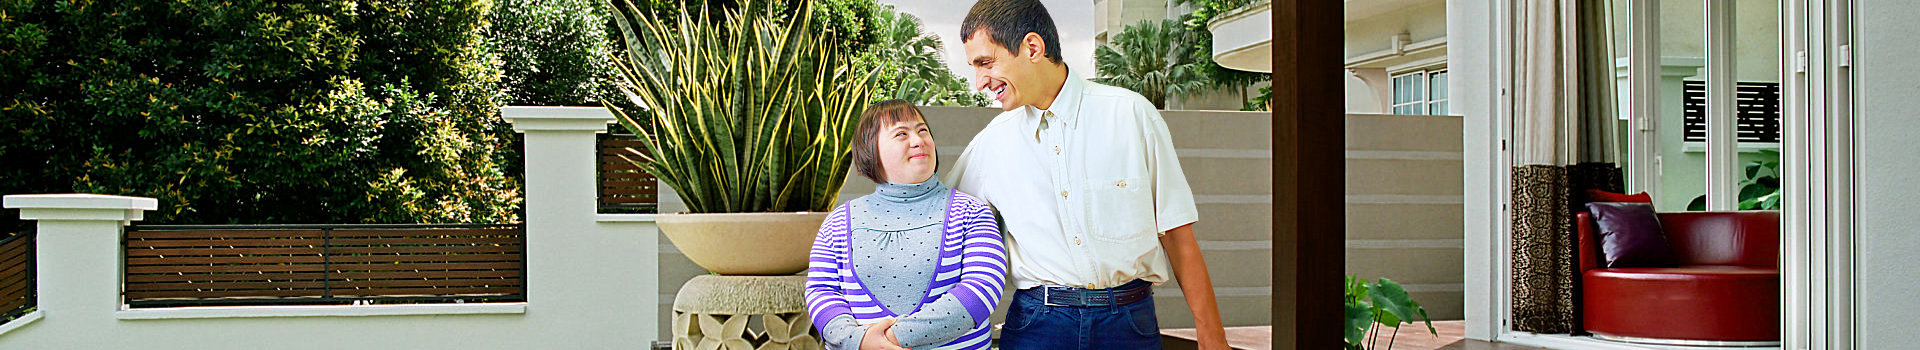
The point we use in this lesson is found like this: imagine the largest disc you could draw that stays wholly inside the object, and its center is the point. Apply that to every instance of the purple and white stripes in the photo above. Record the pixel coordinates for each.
(972, 267)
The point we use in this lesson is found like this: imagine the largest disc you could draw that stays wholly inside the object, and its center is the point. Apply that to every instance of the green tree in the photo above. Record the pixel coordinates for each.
(1202, 41)
(258, 111)
(1152, 58)
(910, 64)
(554, 52)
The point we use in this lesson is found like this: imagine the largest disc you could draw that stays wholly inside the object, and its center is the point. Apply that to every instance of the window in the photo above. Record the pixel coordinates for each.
(1409, 93)
(1437, 93)
(1420, 92)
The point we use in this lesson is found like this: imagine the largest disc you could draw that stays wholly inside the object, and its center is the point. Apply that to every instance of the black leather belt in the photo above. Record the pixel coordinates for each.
(1129, 293)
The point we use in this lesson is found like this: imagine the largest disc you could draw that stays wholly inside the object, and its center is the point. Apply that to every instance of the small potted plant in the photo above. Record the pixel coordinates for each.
(749, 119)
(1372, 307)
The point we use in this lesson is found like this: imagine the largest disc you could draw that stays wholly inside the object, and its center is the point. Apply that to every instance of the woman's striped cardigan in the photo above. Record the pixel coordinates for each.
(972, 267)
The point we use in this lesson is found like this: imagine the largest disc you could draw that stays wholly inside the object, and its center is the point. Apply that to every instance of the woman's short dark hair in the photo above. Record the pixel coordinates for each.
(866, 144)
(1008, 21)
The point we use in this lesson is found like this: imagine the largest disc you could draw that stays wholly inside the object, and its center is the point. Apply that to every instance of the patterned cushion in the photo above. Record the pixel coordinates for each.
(1630, 235)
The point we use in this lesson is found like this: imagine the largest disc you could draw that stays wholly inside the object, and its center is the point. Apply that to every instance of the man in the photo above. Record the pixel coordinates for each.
(1095, 208)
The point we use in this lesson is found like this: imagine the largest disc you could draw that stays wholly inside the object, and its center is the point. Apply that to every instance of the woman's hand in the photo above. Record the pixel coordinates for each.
(880, 337)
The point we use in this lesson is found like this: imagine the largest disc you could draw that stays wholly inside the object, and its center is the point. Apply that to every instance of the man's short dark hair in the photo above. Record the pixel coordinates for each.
(1008, 21)
(866, 142)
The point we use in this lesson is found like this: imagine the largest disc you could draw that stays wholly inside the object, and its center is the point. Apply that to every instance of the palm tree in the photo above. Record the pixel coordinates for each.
(1152, 58)
(910, 64)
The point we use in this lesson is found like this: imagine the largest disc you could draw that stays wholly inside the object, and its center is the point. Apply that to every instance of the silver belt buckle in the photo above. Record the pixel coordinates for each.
(1046, 296)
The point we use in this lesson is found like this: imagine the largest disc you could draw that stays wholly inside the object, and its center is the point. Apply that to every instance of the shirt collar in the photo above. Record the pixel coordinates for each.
(1066, 105)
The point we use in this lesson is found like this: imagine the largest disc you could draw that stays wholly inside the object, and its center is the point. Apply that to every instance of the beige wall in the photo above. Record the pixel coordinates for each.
(1404, 206)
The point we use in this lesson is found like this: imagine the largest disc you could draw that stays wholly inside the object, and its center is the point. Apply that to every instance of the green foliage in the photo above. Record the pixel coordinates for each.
(847, 22)
(1219, 77)
(1261, 102)
(1760, 190)
(1150, 58)
(255, 111)
(1371, 306)
(554, 52)
(910, 65)
(747, 114)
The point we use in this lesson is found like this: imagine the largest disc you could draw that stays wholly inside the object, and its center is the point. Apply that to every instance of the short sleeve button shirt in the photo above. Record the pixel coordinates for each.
(1084, 189)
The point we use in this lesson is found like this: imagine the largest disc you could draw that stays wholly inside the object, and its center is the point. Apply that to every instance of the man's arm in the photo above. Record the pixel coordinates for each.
(1191, 271)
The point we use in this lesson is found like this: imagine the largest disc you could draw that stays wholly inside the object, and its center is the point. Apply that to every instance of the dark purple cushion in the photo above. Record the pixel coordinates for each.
(1630, 235)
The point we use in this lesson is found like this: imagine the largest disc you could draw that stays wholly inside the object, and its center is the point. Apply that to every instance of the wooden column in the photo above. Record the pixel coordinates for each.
(1309, 189)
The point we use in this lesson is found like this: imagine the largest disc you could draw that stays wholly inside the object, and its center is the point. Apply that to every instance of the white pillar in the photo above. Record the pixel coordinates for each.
(77, 250)
(1722, 177)
(1644, 67)
(575, 262)
(560, 184)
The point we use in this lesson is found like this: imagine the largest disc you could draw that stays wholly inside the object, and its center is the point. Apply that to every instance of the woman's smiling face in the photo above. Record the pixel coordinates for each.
(907, 151)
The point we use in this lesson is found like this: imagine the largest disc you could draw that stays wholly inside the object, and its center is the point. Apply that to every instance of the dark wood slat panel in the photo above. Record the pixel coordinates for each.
(465, 282)
(186, 234)
(631, 175)
(340, 242)
(187, 251)
(224, 294)
(171, 253)
(448, 233)
(18, 268)
(13, 304)
(15, 291)
(16, 250)
(136, 261)
(234, 268)
(514, 273)
(629, 183)
(150, 287)
(503, 248)
(424, 266)
(10, 280)
(424, 291)
(293, 242)
(629, 191)
(425, 257)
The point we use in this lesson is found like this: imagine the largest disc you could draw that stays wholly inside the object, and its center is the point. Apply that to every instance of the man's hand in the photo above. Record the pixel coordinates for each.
(880, 337)
(1191, 270)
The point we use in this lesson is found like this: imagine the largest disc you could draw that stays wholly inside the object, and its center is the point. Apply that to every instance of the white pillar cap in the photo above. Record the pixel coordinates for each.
(556, 118)
(80, 206)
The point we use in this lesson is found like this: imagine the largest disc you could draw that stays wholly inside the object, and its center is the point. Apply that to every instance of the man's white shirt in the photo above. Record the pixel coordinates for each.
(1084, 200)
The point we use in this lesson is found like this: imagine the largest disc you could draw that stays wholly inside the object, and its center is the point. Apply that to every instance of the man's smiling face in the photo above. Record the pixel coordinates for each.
(1000, 72)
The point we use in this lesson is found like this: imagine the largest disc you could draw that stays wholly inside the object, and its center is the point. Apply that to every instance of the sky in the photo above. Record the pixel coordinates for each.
(1073, 19)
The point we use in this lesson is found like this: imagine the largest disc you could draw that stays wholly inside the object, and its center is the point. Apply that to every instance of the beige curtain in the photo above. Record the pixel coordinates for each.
(1562, 145)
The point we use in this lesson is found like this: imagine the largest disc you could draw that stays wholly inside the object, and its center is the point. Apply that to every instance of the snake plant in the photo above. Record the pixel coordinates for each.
(750, 114)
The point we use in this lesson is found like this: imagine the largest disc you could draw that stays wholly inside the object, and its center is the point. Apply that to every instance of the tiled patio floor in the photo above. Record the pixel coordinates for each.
(1452, 336)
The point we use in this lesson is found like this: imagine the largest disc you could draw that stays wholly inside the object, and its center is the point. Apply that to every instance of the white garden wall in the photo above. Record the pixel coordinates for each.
(590, 277)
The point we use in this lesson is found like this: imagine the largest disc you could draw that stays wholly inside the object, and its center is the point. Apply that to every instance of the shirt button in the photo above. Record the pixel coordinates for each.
(1056, 149)
(1063, 193)
(1076, 241)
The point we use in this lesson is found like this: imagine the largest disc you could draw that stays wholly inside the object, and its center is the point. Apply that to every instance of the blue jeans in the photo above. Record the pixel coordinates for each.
(1031, 324)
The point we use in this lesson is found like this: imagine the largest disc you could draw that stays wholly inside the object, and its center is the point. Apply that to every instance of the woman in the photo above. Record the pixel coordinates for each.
(913, 265)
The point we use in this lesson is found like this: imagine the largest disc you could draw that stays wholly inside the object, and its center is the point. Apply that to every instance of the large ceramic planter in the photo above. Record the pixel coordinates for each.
(744, 243)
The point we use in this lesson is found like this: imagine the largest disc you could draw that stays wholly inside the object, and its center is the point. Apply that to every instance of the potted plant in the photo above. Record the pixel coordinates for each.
(1373, 306)
(749, 119)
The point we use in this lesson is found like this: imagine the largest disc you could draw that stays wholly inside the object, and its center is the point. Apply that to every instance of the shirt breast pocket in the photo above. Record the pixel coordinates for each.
(1122, 209)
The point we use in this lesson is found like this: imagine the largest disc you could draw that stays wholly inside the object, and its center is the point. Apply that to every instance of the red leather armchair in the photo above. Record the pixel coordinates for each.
(1726, 289)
